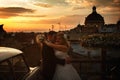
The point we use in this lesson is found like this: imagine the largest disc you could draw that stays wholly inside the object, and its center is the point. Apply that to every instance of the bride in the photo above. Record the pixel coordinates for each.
(67, 71)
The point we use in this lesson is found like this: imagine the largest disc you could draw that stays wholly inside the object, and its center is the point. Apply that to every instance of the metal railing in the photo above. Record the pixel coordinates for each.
(88, 69)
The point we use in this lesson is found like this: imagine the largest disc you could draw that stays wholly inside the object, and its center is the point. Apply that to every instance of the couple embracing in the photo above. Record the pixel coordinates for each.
(55, 59)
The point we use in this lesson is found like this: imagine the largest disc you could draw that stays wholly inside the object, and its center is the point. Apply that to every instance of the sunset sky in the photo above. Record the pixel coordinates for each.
(43, 15)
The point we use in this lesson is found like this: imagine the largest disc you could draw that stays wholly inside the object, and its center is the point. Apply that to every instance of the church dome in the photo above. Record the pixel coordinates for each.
(118, 22)
(94, 18)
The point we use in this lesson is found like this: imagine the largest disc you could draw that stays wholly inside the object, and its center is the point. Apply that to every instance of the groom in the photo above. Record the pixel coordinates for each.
(49, 60)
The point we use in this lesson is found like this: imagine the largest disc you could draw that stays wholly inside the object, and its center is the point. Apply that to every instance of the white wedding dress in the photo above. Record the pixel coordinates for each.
(65, 72)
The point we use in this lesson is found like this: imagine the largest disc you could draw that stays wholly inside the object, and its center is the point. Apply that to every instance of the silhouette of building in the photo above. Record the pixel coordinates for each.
(118, 25)
(93, 22)
(94, 19)
(2, 32)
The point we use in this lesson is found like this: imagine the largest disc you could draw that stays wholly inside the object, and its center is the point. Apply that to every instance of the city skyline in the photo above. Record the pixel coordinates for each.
(44, 15)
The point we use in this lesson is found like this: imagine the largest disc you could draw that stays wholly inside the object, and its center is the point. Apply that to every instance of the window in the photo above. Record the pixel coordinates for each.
(13, 68)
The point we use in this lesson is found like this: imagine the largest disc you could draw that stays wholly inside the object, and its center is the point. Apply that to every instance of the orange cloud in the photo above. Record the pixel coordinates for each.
(33, 15)
(77, 8)
(6, 12)
(45, 5)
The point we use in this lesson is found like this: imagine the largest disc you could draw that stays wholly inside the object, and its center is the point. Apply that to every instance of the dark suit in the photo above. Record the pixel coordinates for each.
(49, 62)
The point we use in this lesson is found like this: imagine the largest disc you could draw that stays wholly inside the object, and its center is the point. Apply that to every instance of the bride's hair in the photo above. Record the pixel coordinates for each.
(64, 40)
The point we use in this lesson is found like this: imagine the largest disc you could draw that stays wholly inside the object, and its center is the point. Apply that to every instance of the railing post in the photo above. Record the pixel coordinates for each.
(103, 62)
